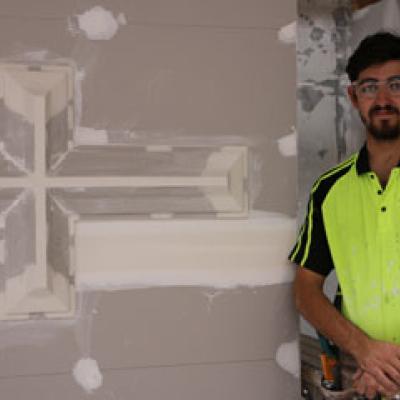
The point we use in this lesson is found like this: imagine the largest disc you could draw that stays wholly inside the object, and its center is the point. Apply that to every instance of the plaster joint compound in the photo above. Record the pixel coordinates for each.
(87, 374)
(288, 144)
(98, 23)
(64, 179)
(288, 33)
(288, 357)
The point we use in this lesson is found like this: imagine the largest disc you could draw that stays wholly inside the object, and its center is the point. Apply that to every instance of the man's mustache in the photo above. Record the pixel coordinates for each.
(387, 108)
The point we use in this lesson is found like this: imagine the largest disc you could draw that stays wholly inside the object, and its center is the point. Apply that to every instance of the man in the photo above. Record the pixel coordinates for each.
(353, 226)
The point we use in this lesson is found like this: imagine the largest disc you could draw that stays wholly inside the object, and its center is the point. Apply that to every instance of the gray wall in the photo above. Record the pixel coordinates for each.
(323, 110)
(179, 71)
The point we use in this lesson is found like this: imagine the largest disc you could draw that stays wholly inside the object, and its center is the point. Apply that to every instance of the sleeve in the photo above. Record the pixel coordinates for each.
(312, 249)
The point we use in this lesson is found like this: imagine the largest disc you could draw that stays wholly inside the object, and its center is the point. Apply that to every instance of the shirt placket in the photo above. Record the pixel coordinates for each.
(386, 237)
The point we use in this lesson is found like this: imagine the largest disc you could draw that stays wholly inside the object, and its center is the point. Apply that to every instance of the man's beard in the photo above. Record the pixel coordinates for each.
(385, 131)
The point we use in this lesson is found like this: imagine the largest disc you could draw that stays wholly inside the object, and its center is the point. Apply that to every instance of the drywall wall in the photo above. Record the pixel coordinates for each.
(169, 83)
(162, 76)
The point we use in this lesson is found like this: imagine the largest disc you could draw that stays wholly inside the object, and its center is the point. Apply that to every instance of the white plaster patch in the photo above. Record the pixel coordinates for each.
(211, 296)
(288, 144)
(122, 19)
(288, 357)
(61, 158)
(89, 136)
(79, 77)
(99, 23)
(20, 198)
(87, 374)
(288, 33)
(18, 163)
(256, 164)
(217, 254)
(86, 306)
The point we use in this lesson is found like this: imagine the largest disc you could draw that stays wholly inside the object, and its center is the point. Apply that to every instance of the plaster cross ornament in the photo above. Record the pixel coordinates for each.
(49, 182)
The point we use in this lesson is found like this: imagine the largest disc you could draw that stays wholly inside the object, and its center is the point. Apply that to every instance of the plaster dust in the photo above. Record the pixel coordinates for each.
(79, 78)
(210, 253)
(87, 374)
(99, 23)
(288, 144)
(90, 136)
(288, 357)
(288, 33)
(18, 164)
(86, 310)
(211, 296)
(22, 197)
(36, 55)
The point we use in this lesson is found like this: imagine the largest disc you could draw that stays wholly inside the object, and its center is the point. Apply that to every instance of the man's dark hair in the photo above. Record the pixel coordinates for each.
(374, 49)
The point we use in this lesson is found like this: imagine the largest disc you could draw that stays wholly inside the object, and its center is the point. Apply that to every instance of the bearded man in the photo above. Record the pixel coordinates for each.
(353, 226)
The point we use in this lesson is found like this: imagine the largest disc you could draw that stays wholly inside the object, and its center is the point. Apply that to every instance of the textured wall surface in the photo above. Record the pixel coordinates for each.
(175, 71)
(161, 343)
(168, 72)
(323, 108)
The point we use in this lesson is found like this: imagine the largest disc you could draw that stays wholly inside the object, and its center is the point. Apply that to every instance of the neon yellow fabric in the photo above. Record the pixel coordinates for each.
(353, 226)
(363, 231)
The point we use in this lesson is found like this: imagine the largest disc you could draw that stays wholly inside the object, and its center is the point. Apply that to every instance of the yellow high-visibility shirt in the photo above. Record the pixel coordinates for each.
(353, 226)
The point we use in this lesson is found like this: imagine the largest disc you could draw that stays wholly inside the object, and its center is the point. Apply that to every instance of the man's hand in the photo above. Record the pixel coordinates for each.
(380, 361)
(365, 384)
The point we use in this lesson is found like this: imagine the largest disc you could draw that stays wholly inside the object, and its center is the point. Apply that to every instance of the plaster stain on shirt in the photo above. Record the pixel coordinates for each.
(395, 291)
(354, 250)
(390, 265)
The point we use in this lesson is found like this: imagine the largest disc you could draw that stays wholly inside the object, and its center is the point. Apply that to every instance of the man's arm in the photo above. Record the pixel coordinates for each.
(380, 359)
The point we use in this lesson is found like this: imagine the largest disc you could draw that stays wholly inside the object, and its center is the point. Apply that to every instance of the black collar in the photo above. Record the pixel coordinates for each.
(362, 163)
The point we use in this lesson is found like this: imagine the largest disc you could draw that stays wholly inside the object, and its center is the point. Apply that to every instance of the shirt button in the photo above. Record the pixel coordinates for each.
(379, 192)
(383, 209)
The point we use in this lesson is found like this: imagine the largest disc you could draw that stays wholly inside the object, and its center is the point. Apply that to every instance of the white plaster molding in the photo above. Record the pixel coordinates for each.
(31, 284)
(48, 182)
(127, 254)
